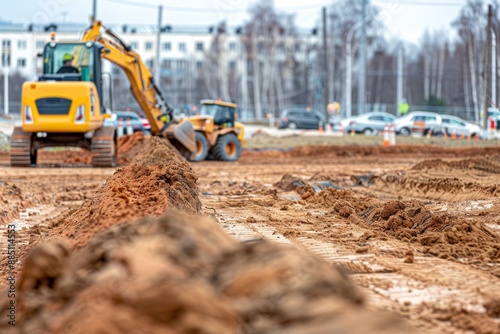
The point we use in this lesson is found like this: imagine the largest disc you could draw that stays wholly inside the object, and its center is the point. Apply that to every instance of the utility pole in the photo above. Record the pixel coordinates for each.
(158, 46)
(94, 10)
(6, 89)
(493, 66)
(326, 72)
(399, 94)
(362, 60)
(487, 55)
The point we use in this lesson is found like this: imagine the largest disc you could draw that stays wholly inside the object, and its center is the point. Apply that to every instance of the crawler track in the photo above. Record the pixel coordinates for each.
(20, 148)
(104, 147)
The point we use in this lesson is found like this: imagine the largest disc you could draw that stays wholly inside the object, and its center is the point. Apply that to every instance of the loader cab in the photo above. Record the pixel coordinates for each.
(222, 112)
(65, 61)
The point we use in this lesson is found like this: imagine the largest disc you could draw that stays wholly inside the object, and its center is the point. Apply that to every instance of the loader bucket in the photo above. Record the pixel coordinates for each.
(182, 137)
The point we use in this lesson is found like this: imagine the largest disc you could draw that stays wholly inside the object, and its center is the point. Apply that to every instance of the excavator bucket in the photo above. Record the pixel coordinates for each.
(182, 137)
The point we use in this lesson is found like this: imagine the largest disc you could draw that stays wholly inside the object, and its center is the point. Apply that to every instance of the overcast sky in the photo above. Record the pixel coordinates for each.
(406, 18)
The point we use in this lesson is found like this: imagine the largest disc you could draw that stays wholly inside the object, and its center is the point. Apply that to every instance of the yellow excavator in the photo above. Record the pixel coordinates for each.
(218, 136)
(64, 108)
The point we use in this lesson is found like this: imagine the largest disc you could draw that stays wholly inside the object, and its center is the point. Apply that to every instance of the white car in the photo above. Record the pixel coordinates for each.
(453, 124)
(433, 123)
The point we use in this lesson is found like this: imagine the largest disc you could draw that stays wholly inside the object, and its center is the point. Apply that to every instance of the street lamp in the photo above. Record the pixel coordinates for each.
(348, 74)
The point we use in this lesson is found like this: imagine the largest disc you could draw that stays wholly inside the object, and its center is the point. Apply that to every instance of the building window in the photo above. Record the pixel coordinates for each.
(134, 45)
(232, 65)
(182, 47)
(232, 46)
(21, 45)
(199, 65)
(181, 64)
(40, 44)
(21, 62)
(6, 43)
(6, 59)
(166, 63)
(167, 46)
(199, 46)
(148, 45)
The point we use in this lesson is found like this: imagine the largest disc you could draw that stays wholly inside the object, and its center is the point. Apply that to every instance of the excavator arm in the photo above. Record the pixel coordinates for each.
(142, 86)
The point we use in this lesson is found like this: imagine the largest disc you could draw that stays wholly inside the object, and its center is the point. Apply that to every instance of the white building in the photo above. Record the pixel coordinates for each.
(184, 52)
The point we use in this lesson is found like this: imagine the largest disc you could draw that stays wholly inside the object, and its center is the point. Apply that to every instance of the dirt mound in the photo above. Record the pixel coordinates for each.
(444, 235)
(158, 151)
(130, 145)
(486, 164)
(289, 182)
(157, 181)
(360, 151)
(448, 189)
(66, 156)
(180, 274)
(133, 191)
(12, 201)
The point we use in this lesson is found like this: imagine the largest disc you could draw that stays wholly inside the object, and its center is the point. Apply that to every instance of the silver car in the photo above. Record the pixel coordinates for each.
(433, 123)
(369, 124)
(453, 124)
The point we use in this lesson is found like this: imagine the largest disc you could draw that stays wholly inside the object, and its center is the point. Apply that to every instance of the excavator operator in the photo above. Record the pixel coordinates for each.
(67, 65)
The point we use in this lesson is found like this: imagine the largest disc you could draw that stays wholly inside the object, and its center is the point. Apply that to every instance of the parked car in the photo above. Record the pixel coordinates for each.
(301, 119)
(137, 123)
(453, 124)
(433, 123)
(370, 123)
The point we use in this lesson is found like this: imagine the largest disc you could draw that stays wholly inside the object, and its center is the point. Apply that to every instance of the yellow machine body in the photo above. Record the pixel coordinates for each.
(80, 97)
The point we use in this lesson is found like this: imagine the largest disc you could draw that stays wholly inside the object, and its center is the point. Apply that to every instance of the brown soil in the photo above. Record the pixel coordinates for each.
(418, 236)
(181, 274)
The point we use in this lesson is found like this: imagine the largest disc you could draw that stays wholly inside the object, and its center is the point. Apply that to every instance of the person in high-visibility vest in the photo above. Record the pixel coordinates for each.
(404, 107)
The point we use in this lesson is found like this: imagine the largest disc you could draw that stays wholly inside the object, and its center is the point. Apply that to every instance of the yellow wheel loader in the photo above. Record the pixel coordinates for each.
(218, 136)
(64, 107)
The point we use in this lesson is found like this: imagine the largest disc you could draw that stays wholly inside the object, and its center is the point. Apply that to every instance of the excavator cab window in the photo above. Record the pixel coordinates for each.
(68, 62)
(222, 115)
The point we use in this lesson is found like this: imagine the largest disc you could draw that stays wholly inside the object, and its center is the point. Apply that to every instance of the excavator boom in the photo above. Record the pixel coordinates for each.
(143, 87)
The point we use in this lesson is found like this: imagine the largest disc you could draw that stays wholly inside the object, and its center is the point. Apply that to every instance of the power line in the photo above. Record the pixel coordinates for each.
(204, 10)
(423, 3)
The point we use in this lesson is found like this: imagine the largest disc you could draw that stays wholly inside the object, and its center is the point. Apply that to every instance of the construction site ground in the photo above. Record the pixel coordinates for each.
(417, 227)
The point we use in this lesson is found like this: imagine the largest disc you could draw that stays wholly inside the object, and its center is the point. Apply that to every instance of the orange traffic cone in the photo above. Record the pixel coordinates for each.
(454, 135)
(387, 140)
(462, 136)
(320, 128)
(477, 136)
(341, 129)
(445, 134)
(353, 132)
(469, 136)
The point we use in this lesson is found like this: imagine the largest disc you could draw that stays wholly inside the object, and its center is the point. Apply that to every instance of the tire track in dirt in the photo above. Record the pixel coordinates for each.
(434, 294)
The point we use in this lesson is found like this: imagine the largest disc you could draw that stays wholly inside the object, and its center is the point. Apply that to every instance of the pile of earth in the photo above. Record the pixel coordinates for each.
(13, 200)
(129, 146)
(441, 234)
(329, 151)
(66, 156)
(474, 178)
(184, 274)
(156, 181)
(489, 164)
